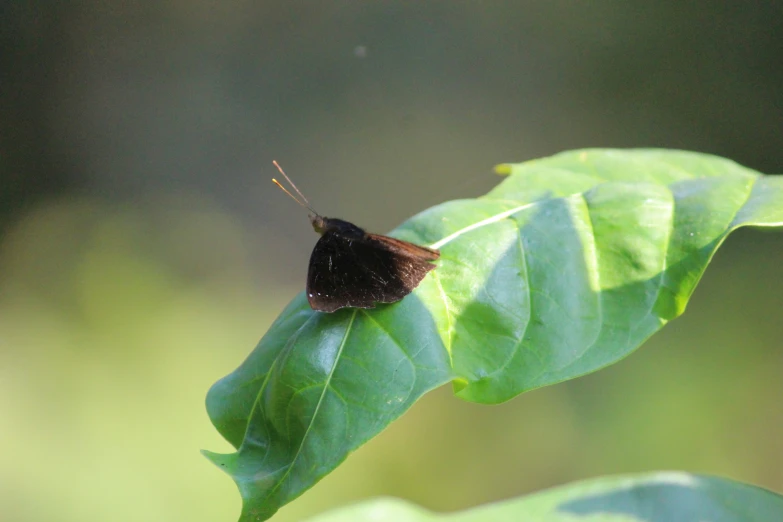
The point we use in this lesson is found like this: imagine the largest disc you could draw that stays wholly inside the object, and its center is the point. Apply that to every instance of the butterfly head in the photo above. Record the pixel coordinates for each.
(322, 225)
(319, 223)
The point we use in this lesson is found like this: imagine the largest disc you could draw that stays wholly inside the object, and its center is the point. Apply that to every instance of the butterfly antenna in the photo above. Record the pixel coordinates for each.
(306, 203)
(276, 164)
(281, 187)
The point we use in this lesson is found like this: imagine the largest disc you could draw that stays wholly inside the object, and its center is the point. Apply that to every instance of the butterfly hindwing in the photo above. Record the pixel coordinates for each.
(350, 270)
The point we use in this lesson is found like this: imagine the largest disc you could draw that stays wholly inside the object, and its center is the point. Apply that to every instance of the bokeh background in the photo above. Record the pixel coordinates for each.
(144, 251)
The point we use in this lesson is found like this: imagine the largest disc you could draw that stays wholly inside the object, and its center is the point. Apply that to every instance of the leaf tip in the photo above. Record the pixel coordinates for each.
(222, 460)
(504, 169)
(459, 384)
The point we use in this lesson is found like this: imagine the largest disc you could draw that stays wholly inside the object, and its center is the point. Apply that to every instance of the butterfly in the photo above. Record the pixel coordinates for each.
(352, 268)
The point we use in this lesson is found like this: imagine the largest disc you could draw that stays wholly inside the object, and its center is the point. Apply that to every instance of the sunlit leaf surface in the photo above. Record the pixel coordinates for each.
(660, 497)
(567, 266)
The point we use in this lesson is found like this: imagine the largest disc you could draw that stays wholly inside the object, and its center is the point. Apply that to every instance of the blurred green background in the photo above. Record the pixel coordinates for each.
(144, 250)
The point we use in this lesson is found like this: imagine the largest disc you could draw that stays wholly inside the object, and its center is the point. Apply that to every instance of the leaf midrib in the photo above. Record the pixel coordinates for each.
(315, 412)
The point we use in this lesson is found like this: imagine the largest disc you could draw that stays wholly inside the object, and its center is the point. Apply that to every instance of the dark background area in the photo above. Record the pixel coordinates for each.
(143, 249)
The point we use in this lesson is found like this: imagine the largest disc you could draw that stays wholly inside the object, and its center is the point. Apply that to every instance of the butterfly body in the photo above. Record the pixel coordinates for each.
(353, 268)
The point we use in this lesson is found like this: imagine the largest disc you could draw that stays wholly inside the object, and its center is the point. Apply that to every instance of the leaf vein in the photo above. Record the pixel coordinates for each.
(315, 412)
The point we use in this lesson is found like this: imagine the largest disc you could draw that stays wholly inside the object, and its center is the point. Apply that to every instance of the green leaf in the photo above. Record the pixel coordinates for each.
(658, 497)
(565, 267)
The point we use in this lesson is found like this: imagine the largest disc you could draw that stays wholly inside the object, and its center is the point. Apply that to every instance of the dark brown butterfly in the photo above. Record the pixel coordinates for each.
(353, 268)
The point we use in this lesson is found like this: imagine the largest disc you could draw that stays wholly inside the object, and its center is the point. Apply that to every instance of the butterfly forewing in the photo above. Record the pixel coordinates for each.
(359, 271)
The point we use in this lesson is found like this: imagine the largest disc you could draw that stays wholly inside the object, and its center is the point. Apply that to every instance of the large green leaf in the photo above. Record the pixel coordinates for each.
(565, 267)
(658, 497)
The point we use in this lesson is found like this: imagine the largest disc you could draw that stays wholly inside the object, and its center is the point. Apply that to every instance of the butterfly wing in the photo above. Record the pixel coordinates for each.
(404, 248)
(355, 272)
